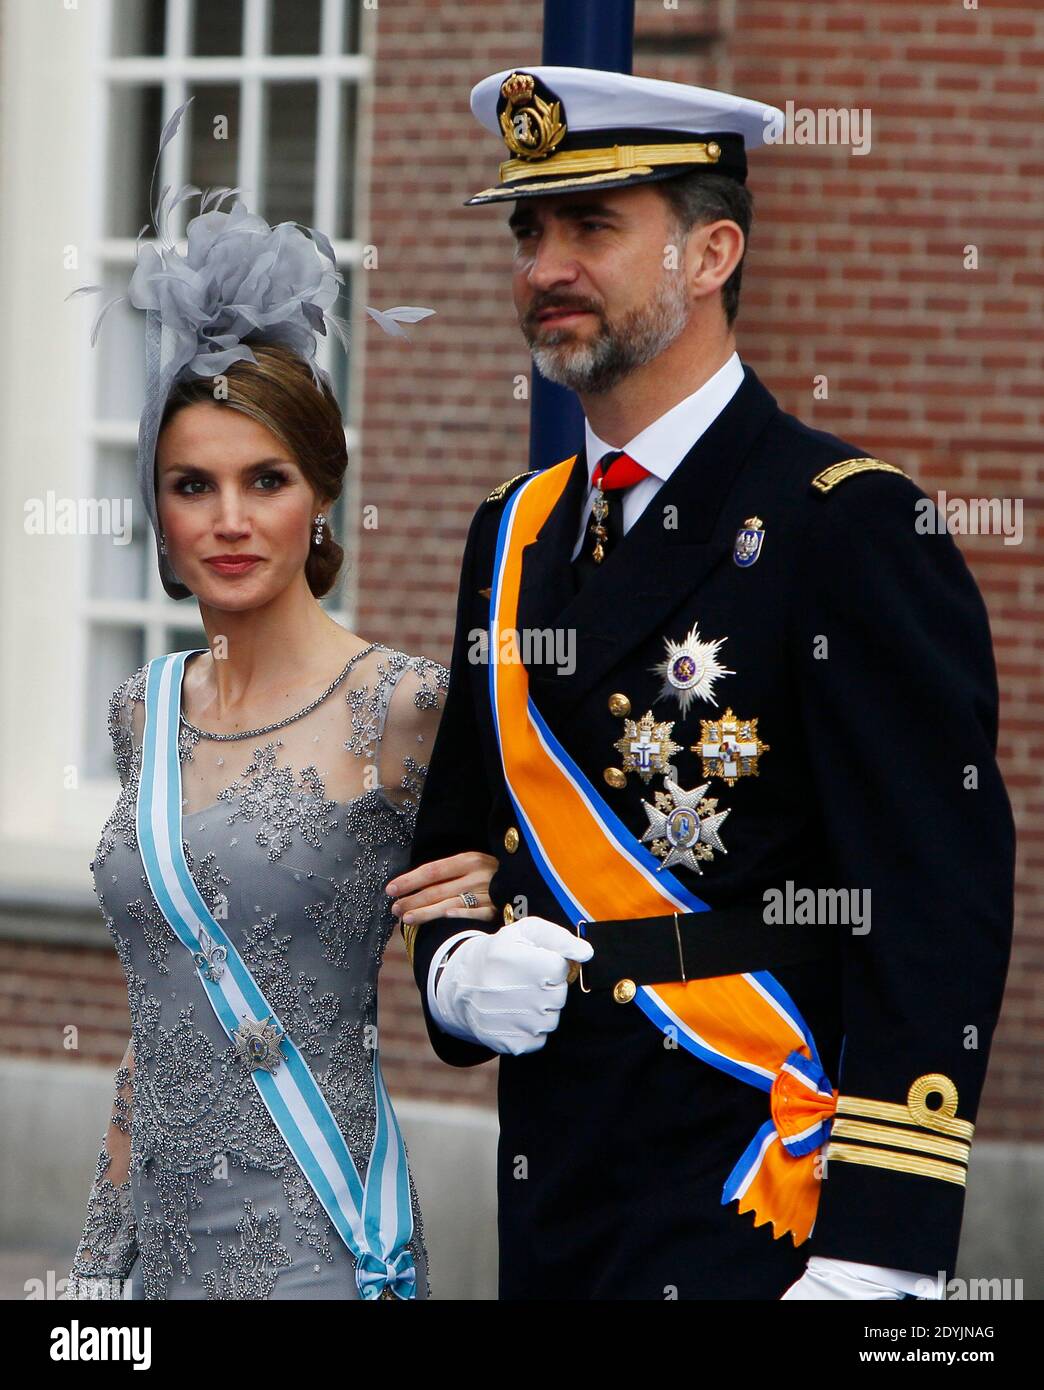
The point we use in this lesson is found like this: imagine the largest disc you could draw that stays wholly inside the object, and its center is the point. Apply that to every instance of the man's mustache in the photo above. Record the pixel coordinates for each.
(541, 306)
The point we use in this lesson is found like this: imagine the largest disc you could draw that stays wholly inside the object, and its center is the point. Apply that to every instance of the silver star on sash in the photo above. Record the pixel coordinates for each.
(258, 1043)
(683, 826)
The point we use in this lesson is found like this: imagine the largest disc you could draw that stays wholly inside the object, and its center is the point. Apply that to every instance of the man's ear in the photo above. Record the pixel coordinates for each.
(712, 253)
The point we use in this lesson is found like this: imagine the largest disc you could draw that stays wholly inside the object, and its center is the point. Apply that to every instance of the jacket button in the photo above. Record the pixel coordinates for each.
(624, 991)
(509, 914)
(619, 705)
(511, 839)
(615, 776)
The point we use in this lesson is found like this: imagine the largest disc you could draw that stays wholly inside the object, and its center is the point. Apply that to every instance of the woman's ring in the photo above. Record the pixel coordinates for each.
(468, 899)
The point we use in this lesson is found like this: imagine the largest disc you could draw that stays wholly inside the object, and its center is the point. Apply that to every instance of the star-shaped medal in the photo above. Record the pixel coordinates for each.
(683, 826)
(647, 746)
(257, 1043)
(690, 669)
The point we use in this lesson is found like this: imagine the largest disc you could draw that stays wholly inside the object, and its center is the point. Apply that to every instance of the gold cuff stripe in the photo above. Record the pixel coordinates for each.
(628, 158)
(847, 468)
(897, 1162)
(903, 1139)
(900, 1114)
(409, 936)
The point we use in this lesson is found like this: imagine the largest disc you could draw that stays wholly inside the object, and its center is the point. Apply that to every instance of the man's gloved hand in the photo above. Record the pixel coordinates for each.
(505, 989)
(831, 1280)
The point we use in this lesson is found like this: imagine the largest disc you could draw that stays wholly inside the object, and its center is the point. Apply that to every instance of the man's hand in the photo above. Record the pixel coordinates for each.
(833, 1280)
(506, 989)
(433, 890)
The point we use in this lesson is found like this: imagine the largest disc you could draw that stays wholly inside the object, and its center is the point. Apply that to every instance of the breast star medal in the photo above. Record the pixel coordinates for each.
(690, 669)
(647, 746)
(683, 826)
(258, 1043)
(749, 540)
(730, 747)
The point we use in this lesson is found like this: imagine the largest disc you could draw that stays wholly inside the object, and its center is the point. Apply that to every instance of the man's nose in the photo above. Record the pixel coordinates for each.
(553, 264)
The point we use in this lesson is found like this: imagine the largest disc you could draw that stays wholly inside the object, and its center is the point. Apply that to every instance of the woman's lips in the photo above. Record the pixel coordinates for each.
(237, 566)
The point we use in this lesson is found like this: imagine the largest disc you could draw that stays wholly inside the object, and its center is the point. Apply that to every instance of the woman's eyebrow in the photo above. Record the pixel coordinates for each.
(247, 467)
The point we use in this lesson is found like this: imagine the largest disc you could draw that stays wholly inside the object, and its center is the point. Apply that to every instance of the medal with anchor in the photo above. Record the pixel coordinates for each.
(647, 746)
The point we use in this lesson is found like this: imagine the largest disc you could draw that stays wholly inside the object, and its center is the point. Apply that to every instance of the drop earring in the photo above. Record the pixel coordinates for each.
(320, 522)
(163, 544)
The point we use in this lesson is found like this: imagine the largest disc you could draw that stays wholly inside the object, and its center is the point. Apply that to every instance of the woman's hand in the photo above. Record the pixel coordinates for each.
(433, 890)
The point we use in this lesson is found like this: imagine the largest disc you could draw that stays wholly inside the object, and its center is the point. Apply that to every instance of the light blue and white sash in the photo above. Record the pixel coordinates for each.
(374, 1218)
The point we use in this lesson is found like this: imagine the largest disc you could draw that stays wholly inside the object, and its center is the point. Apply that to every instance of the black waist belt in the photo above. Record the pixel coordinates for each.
(698, 946)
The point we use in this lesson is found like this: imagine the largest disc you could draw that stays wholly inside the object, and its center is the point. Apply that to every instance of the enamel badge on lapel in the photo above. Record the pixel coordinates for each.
(683, 826)
(749, 540)
(730, 747)
(690, 669)
(647, 746)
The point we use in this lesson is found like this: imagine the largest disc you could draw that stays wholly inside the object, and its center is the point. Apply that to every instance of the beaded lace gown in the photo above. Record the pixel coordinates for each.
(291, 833)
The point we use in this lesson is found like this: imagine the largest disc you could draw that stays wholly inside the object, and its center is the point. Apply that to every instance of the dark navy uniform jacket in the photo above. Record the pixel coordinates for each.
(862, 646)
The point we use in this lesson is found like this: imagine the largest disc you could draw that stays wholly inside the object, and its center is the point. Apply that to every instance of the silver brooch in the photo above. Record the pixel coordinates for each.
(258, 1043)
(210, 959)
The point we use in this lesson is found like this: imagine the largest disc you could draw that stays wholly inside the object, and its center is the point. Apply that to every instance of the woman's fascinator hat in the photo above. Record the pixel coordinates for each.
(240, 282)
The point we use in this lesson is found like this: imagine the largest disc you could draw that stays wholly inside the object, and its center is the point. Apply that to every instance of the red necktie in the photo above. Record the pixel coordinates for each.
(616, 471)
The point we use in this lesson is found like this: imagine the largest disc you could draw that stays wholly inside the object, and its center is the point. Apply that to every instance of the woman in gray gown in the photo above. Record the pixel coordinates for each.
(299, 751)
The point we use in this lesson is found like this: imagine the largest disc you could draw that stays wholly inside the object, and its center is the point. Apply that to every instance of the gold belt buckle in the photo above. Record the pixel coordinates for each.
(576, 967)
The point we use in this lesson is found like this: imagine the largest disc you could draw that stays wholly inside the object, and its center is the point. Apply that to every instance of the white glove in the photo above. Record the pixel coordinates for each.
(838, 1280)
(505, 989)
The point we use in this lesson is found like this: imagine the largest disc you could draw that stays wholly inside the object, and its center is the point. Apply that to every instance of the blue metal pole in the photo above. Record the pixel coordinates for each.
(577, 34)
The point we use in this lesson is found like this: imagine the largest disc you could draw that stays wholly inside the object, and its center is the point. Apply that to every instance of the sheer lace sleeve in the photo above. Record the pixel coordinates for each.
(109, 1245)
(410, 725)
(126, 723)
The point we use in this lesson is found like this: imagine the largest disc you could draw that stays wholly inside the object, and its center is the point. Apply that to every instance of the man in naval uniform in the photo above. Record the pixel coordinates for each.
(754, 892)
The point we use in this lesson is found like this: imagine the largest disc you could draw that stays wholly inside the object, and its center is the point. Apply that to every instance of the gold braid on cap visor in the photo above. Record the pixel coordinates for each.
(627, 158)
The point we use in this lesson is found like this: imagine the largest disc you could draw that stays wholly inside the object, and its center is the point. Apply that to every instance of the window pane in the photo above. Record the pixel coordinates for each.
(351, 25)
(183, 639)
(118, 565)
(289, 163)
(294, 26)
(138, 28)
(346, 169)
(213, 136)
(217, 30)
(135, 122)
(120, 351)
(113, 654)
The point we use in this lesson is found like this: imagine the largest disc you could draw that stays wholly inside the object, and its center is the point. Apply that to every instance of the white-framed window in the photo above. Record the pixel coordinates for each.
(276, 88)
(87, 85)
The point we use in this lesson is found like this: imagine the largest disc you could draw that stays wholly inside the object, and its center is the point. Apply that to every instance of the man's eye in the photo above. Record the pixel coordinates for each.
(521, 233)
(592, 226)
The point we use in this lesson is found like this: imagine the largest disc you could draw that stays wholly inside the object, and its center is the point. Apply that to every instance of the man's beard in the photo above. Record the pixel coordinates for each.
(617, 348)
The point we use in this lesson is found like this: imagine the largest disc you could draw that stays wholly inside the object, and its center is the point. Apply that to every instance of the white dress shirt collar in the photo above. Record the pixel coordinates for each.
(661, 446)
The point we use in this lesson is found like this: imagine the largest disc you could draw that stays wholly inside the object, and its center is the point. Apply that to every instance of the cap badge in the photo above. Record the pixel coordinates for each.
(532, 127)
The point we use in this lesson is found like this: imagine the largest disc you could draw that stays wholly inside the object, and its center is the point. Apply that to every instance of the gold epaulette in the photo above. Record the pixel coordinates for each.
(848, 468)
(499, 492)
(912, 1130)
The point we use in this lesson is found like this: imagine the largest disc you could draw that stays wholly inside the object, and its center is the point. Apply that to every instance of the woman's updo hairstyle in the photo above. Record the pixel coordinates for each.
(279, 392)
